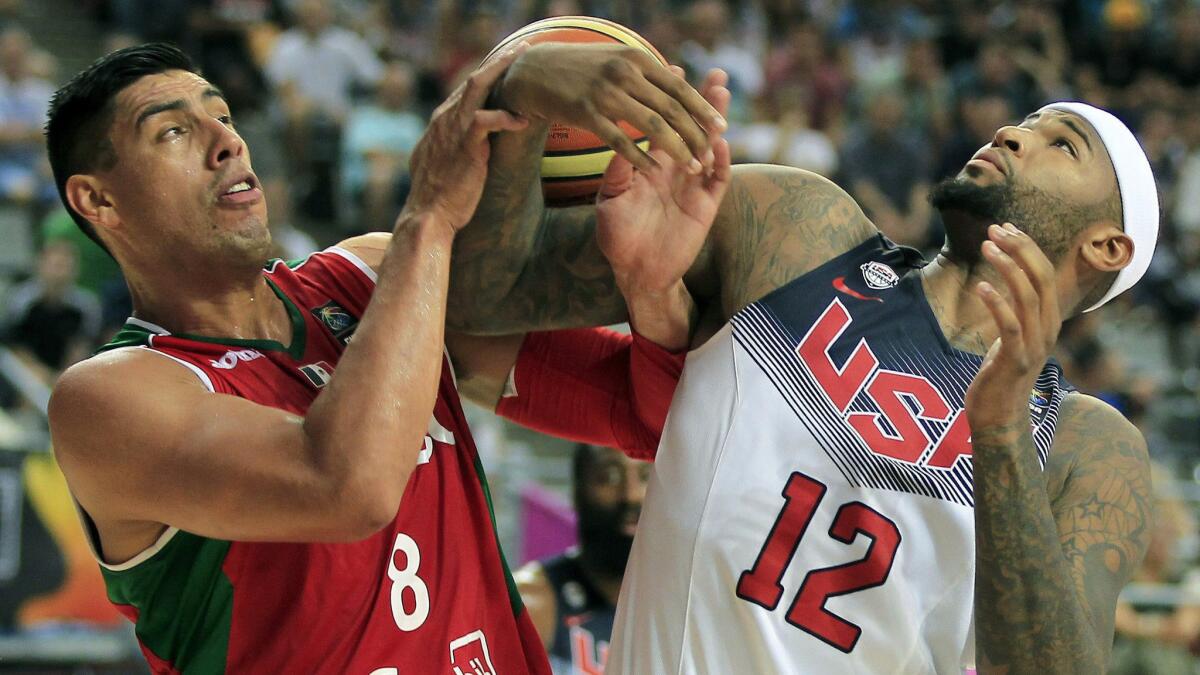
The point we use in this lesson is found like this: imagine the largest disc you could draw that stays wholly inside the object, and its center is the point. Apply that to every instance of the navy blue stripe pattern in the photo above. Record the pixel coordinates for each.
(773, 347)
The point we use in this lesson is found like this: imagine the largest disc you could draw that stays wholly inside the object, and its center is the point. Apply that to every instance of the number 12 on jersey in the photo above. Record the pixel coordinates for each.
(761, 584)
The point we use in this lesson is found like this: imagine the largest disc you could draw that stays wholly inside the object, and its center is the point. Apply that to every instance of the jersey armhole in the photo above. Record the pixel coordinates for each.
(203, 376)
(92, 534)
(358, 263)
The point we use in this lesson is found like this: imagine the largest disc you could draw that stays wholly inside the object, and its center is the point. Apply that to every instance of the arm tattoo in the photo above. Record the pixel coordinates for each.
(520, 266)
(1048, 572)
(776, 224)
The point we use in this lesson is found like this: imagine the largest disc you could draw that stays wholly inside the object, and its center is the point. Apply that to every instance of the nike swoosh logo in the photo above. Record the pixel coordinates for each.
(839, 284)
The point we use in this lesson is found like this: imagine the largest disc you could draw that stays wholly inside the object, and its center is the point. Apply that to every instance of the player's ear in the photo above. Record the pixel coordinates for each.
(88, 197)
(1105, 247)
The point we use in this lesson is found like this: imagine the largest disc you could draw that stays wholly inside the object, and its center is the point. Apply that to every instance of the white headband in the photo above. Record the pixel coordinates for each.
(1135, 183)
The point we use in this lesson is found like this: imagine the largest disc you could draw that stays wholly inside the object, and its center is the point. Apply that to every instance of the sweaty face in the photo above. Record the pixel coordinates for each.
(610, 502)
(1050, 176)
(182, 184)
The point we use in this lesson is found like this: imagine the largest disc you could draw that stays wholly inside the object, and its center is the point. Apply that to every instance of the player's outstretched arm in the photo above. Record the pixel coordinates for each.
(585, 86)
(522, 267)
(1049, 563)
(143, 443)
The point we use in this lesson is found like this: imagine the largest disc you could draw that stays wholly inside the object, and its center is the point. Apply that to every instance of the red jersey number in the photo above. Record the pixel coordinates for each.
(762, 583)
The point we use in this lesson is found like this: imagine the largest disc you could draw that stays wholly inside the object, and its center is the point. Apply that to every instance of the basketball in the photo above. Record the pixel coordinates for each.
(574, 161)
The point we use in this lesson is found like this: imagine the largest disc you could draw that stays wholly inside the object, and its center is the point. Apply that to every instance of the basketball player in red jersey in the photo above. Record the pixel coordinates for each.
(299, 520)
(1040, 537)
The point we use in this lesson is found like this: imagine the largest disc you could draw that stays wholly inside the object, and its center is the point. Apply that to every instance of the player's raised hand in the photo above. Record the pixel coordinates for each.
(652, 222)
(449, 164)
(1028, 324)
(595, 86)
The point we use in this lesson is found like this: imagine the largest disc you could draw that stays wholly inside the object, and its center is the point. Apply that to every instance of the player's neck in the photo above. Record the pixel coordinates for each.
(245, 308)
(949, 284)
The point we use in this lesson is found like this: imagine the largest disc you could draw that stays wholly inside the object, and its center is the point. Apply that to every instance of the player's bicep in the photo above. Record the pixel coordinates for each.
(775, 224)
(1104, 509)
(140, 439)
(369, 248)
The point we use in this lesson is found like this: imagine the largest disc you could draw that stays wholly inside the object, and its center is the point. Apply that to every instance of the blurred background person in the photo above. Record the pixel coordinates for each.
(572, 598)
(378, 140)
(886, 166)
(1158, 618)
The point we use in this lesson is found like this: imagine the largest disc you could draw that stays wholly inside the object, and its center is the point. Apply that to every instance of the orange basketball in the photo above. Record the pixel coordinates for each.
(574, 161)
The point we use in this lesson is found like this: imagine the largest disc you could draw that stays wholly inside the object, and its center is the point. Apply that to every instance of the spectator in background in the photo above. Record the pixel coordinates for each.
(572, 598)
(51, 322)
(980, 117)
(228, 37)
(996, 71)
(877, 39)
(24, 99)
(316, 68)
(1037, 37)
(887, 169)
(708, 26)
(801, 72)
(98, 273)
(780, 134)
(378, 141)
(1179, 56)
(1154, 636)
(467, 36)
(926, 91)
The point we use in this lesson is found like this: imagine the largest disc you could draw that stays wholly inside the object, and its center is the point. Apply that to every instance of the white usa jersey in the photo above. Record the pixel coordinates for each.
(811, 506)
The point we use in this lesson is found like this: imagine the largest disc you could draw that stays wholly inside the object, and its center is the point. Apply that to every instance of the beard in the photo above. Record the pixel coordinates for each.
(968, 209)
(601, 538)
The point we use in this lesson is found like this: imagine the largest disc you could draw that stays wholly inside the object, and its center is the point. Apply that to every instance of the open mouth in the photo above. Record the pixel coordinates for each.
(245, 191)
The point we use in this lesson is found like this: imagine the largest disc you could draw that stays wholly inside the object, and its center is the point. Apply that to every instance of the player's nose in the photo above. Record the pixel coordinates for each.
(1012, 138)
(226, 144)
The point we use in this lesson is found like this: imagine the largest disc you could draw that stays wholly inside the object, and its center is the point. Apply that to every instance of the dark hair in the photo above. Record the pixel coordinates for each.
(81, 112)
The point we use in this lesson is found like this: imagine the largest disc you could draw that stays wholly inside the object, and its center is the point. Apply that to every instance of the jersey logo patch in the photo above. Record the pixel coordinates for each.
(235, 356)
(318, 373)
(879, 276)
(339, 322)
(469, 655)
(839, 285)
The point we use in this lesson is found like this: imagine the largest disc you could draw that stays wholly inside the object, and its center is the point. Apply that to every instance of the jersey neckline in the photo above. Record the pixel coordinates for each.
(137, 331)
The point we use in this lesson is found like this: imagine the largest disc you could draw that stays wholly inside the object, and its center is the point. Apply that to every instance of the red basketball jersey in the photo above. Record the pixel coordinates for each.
(429, 594)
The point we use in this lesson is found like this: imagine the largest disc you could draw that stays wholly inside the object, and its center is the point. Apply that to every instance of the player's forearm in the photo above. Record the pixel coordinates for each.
(666, 318)
(520, 266)
(367, 425)
(1029, 616)
(498, 242)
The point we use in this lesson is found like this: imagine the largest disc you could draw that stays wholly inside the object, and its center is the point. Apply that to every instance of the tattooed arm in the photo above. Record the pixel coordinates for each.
(542, 267)
(1049, 570)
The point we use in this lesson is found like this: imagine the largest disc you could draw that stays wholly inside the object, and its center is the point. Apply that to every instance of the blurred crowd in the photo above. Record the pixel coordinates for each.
(885, 97)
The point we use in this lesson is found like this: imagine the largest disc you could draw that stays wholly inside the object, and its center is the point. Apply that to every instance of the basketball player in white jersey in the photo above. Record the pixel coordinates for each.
(871, 466)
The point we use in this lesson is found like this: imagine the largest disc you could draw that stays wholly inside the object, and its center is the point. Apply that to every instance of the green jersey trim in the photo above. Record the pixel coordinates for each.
(181, 593)
(137, 332)
(514, 596)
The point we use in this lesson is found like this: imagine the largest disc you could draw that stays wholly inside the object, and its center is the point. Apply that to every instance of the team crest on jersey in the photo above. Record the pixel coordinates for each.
(469, 655)
(879, 276)
(318, 373)
(339, 322)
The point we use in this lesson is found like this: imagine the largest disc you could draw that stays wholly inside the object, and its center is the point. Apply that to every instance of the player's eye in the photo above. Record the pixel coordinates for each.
(172, 132)
(1066, 145)
(227, 120)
